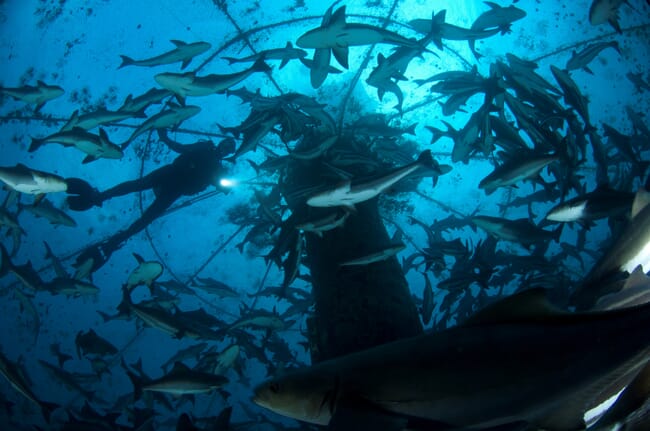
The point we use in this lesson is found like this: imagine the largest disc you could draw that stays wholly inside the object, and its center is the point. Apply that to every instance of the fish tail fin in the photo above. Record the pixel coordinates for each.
(437, 133)
(36, 144)
(410, 130)
(126, 61)
(47, 409)
(261, 66)
(137, 385)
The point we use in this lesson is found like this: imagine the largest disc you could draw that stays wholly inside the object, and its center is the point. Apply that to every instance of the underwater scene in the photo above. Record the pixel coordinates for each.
(292, 214)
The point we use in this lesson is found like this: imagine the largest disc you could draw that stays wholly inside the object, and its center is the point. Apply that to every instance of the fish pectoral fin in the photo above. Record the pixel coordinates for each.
(341, 55)
(355, 413)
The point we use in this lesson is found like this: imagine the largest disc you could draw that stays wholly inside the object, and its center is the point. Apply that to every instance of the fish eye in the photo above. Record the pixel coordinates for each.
(274, 387)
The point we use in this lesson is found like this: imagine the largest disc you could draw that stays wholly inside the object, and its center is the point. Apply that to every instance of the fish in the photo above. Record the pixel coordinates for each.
(497, 17)
(522, 230)
(184, 52)
(25, 273)
(437, 29)
(226, 359)
(515, 170)
(581, 60)
(62, 358)
(637, 80)
(68, 379)
(338, 35)
(190, 352)
(171, 117)
(316, 151)
(27, 307)
(324, 224)
(466, 139)
(215, 287)
(18, 380)
(47, 210)
(140, 103)
(262, 320)
(145, 273)
(100, 117)
(475, 375)
(69, 286)
(637, 122)
(89, 343)
(376, 256)
(181, 380)
(189, 84)
(95, 146)
(600, 203)
(572, 94)
(284, 54)
(375, 125)
(319, 66)
(391, 69)
(10, 221)
(629, 250)
(31, 181)
(39, 95)
(602, 11)
(634, 291)
(348, 194)
(157, 318)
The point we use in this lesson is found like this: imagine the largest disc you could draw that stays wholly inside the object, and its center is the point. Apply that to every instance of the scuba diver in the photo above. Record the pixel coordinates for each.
(197, 167)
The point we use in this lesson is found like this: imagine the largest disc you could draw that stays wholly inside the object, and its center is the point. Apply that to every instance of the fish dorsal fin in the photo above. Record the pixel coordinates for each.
(139, 258)
(492, 5)
(338, 18)
(178, 43)
(637, 279)
(41, 83)
(529, 305)
(641, 199)
(180, 367)
(289, 45)
(440, 16)
(103, 135)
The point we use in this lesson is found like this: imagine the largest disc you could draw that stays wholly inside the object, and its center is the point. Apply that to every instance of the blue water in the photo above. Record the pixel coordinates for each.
(77, 46)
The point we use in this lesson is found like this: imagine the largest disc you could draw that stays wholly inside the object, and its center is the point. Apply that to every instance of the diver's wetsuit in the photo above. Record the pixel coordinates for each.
(197, 166)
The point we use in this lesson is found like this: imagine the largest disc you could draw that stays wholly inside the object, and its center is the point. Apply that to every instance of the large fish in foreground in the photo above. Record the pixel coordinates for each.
(349, 194)
(520, 361)
(630, 249)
